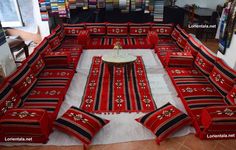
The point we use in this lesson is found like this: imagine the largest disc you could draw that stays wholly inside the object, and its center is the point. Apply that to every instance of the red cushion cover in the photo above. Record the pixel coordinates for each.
(96, 28)
(181, 59)
(192, 46)
(219, 118)
(205, 60)
(8, 98)
(23, 80)
(182, 39)
(36, 63)
(25, 123)
(162, 29)
(176, 32)
(43, 47)
(117, 29)
(53, 40)
(60, 32)
(164, 121)
(223, 77)
(152, 37)
(139, 29)
(72, 29)
(80, 124)
(231, 96)
(57, 59)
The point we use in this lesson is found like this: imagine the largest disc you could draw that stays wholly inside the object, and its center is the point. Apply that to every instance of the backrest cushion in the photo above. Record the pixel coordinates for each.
(162, 29)
(96, 28)
(36, 63)
(43, 48)
(60, 32)
(175, 33)
(23, 80)
(230, 98)
(223, 77)
(205, 60)
(53, 40)
(117, 29)
(8, 98)
(192, 46)
(139, 29)
(182, 39)
(72, 29)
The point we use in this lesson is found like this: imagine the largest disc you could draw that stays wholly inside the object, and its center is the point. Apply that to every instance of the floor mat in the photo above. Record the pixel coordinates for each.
(104, 93)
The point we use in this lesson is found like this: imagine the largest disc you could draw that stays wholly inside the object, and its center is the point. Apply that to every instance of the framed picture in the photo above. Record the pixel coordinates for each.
(227, 27)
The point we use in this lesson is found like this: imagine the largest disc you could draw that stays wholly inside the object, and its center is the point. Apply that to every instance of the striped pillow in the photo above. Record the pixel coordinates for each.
(230, 98)
(164, 121)
(36, 63)
(223, 77)
(60, 32)
(96, 28)
(117, 29)
(53, 41)
(182, 39)
(139, 29)
(8, 98)
(176, 32)
(162, 29)
(25, 123)
(205, 60)
(72, 29)
(192, 46)
(57, 59)
(43, 48)
(80, 124)
(23, 80)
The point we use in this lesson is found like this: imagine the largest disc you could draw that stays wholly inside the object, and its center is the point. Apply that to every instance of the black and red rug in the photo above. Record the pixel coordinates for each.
(118, 93)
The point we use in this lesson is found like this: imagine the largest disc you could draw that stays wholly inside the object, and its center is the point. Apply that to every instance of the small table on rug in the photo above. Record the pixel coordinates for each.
(119, 61)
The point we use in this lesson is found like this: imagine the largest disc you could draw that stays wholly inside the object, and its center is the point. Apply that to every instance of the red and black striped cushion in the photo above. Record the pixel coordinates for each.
(72, 29)
(36, 63)
(162, 29)
(23, 80)
(25, 123)
(57, 59)
(205, 60)
(182, 39)
(223, 77)
(53, 40)
(230, 98)
(96, 28)
(139, 29)
(43, 48)
(117, 29)
(179, 59)
(80, 124)
(176, 32)
(192, 46)
(60, 32)
(8, 98)
(164, 121)
(219, 118)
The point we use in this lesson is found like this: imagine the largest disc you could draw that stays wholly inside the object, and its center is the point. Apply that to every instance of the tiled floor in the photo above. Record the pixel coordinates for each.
(189, 142)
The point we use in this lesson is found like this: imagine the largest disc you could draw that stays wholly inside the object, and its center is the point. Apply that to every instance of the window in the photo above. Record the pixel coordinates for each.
(10, 15)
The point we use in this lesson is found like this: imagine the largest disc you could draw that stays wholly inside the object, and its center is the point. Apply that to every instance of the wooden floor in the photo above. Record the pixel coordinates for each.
(189, 142)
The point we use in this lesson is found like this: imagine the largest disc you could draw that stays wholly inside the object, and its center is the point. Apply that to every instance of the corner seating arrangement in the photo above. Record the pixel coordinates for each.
(104, 35)
(205, 83)
(31, 97)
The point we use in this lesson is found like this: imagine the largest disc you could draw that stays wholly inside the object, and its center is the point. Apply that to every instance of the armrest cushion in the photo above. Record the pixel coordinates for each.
(152, 37)
(179, 59)
(57, 59)
(25, 123)
(219, 118)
